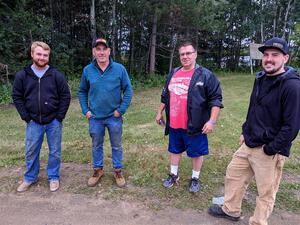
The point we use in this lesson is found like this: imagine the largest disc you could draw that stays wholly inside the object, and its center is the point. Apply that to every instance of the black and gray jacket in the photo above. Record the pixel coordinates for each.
(204, 92)
(273, 118)
(41, 99)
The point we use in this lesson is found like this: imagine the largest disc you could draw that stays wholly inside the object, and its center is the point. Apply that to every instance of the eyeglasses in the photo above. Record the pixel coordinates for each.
(186, 53)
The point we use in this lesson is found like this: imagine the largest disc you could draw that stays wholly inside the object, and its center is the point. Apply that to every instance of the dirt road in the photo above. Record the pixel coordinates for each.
(39, 206)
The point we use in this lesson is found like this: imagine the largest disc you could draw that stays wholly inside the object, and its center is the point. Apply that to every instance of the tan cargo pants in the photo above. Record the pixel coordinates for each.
(267, 170)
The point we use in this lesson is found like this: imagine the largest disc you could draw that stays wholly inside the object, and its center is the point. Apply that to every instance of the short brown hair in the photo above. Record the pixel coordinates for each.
(187, 42)
(41, 44)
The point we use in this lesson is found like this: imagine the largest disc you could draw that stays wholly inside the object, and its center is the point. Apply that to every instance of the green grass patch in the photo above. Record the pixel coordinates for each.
(145, 149)
(286, 199)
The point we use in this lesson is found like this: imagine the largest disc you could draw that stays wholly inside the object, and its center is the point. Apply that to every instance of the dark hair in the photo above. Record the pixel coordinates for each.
(187, 42)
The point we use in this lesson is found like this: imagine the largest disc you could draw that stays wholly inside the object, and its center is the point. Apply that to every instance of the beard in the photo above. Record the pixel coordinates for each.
(40, 63)
(274, 70)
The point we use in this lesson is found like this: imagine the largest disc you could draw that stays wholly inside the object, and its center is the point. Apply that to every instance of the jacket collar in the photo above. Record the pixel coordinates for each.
(94, 62)
(29, 71)
(197, 66)
(289, 71)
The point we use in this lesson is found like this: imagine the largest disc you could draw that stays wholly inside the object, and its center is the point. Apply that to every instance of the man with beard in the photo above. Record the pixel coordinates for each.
(42, 98)
(271, 125)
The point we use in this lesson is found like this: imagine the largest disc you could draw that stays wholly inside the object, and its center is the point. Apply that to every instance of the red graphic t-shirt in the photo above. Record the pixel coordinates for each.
(178, 88)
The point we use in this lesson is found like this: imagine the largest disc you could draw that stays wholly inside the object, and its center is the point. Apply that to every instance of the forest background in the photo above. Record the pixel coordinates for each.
(143, 35)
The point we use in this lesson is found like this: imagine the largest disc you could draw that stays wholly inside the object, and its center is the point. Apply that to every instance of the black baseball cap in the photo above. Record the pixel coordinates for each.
(99, 41)
(277, 43)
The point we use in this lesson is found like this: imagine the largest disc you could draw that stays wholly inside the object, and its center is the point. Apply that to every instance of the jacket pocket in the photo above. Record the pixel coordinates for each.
(198, 116)
(280, 161)
(49, 107)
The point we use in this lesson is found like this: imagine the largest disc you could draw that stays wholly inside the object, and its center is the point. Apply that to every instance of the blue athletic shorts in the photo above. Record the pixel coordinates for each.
(194, 146)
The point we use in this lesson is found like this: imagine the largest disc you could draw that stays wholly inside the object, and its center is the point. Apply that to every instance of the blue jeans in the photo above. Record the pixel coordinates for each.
(33, 143)
(97, 133)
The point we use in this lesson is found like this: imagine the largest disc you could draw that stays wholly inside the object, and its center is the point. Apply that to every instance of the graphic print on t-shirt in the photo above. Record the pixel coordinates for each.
(178, 88)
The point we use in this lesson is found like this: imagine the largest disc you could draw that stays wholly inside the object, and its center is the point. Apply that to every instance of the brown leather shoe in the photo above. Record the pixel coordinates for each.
(54, 185)
(93, 180)
(120, 180)
(24, 186)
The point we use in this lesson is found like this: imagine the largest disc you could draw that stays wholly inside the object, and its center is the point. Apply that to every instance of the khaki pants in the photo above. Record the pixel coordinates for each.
(267, 170)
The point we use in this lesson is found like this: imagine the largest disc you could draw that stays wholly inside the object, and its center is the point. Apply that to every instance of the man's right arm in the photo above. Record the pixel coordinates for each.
(83, 94)
(18, 98)
(159, 116)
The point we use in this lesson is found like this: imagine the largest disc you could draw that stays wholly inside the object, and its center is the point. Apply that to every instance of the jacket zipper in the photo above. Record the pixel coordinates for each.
(39, 96)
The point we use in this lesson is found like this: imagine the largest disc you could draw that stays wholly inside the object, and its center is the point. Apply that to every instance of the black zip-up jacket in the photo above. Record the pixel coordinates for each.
(273, 119)
(204, 92)
(41, 99)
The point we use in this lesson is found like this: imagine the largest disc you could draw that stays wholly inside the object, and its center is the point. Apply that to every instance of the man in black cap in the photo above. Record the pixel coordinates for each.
(271, 125)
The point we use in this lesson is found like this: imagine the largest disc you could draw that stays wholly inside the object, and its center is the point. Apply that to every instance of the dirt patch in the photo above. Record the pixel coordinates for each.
(74, 204)
(291, 178)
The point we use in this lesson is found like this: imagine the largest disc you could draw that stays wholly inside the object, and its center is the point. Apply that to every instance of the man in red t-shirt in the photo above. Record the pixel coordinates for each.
(192, 99)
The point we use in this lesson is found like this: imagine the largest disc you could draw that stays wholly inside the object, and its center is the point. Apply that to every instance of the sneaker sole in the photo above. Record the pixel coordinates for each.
(24, 190)
(121, 186)
(54, 190)
(193, 192)
(33, 183)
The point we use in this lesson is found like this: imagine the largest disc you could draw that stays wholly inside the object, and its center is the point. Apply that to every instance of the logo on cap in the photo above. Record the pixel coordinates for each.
(278, 45)
(100, 41)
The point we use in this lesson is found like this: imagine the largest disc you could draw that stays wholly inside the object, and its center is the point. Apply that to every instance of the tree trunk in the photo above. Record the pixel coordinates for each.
(219, 54)
(93, 20)
(153, 43)
(52, 19)
(173, 44)
(290, 22)
(237, 53)
(132, 49)
(286, 18)
(275, 19)
(262, 36)
(114, 30)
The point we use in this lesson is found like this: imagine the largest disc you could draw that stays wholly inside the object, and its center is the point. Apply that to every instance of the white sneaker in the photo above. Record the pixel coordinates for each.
(24, 186)
(54, 185)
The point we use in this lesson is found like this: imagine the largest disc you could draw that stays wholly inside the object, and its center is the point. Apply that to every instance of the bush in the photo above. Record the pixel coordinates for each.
(146, 81)
(5, 94)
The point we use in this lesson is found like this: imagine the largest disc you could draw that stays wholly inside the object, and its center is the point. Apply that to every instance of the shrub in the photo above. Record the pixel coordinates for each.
(5, 93)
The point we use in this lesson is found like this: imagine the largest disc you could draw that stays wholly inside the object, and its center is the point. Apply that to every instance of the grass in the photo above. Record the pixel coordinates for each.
(145, 155)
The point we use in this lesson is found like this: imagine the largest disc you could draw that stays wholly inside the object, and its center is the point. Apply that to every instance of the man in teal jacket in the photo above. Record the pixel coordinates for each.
(105, 93)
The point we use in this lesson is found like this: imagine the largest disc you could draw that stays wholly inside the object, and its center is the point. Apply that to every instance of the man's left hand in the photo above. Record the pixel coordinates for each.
(268, 151)
(117, 114)
(208, 127)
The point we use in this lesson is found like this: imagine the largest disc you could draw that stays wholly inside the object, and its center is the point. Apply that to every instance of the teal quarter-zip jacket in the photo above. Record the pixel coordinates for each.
(104, 92)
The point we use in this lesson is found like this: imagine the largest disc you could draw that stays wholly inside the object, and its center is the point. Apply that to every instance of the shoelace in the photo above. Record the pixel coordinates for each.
(96, 173)
(194, 182)
(118, 174)
(172, 177)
